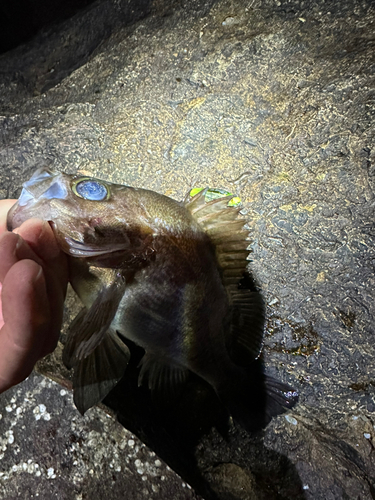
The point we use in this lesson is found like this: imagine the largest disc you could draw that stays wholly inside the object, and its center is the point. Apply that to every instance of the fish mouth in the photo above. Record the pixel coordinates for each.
(79, 249)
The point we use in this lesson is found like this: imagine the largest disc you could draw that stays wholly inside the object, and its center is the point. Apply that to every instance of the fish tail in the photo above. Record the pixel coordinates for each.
(253, 398)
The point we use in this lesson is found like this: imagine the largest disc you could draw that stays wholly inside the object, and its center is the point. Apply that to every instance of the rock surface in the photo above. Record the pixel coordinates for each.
(48, 450)
(274, 101)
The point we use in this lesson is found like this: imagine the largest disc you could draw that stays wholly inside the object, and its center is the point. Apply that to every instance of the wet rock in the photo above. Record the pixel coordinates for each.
(273, 101)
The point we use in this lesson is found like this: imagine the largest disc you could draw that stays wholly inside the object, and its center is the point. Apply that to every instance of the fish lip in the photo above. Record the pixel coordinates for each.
(79, 249)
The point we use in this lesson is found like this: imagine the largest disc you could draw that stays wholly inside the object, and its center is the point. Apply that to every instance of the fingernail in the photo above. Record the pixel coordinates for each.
(18, 245)
(43, 229)
(38, 276)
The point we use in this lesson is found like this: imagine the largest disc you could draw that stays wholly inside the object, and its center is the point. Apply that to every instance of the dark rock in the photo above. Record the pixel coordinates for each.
(22, 19)
(273, 101)
(48, 450)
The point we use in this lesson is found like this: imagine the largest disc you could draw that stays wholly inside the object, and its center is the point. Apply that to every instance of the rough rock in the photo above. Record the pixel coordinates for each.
(48, 450)
(274, 101)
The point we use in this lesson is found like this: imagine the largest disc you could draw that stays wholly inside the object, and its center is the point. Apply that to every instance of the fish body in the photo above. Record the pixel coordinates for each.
(163, 274)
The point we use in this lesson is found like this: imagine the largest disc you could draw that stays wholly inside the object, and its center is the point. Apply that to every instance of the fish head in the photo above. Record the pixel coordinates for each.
(91, 218)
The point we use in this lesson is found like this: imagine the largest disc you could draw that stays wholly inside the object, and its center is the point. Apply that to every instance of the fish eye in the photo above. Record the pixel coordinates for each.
(90, 189)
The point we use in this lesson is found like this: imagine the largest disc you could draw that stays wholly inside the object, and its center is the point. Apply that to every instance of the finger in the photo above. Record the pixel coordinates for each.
(12, 249)
(1, 310)
(41, 239)
(5, 205)
(56, 295)
(26, 314)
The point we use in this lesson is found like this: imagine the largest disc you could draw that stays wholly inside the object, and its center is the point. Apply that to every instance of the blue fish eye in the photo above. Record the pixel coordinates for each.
(91, 190)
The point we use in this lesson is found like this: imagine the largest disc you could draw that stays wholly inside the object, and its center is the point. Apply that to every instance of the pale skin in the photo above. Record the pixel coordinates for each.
(33, 281)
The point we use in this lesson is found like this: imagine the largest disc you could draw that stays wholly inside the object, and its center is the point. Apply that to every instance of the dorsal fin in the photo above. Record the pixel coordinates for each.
(225, 225)
(246, 325)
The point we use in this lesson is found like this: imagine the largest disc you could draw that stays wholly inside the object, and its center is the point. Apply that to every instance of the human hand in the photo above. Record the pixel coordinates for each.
(33, 277)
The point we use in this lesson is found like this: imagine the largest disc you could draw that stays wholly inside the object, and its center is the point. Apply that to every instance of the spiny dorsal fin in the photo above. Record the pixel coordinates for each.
(225, 225)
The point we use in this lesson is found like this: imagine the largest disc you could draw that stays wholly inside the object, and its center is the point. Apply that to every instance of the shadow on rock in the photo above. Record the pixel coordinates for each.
(189, 429)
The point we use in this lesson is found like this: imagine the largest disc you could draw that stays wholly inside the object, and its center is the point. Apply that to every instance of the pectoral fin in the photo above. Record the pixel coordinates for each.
(98, 373)
(88, 330)
(70, 344)
(94, 350)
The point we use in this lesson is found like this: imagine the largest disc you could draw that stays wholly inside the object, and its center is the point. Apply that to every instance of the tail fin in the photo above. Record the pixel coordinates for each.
(253, 398)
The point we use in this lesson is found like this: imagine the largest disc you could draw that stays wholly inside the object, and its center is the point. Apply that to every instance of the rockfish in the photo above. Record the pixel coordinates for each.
(169, 276)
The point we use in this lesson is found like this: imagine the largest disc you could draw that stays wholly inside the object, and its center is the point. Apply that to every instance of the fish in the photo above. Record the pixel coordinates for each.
(171, 277)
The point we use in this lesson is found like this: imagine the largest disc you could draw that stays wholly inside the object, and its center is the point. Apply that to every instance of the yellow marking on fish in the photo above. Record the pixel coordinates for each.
(195, 191)
(234, 202)
(212, 194)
